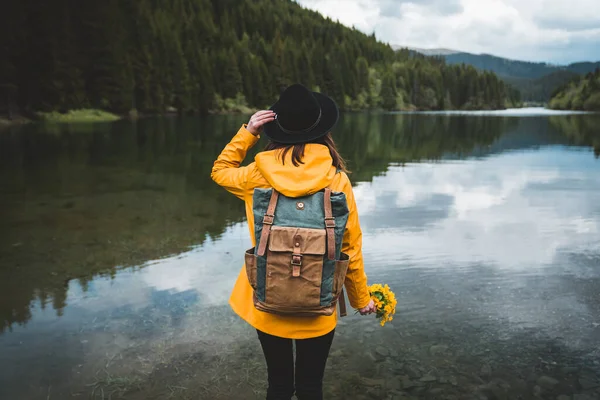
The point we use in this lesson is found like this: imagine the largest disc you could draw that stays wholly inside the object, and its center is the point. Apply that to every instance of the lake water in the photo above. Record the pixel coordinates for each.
(118, 254)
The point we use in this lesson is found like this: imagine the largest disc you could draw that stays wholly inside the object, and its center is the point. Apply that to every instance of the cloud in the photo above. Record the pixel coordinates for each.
(394, 8)
(557, 31)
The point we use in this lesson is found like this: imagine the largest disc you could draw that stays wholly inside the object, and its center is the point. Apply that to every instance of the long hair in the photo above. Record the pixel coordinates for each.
(298, 152)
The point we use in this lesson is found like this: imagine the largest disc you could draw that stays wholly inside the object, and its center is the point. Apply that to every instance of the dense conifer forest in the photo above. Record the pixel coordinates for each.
(582, 93)
(156, 56)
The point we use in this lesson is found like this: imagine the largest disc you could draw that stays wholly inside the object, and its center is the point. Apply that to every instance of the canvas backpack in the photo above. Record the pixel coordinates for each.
(297, 267)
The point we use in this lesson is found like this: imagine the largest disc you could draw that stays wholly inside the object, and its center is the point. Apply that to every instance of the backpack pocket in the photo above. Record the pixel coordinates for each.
(341, 268)
(295, 267)
(250, 261)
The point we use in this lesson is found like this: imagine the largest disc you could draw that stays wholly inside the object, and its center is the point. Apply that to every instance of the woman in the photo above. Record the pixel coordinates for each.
(300, 159)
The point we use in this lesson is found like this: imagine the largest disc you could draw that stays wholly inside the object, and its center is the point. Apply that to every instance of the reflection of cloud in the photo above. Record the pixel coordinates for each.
(210, 270)
(497, 212)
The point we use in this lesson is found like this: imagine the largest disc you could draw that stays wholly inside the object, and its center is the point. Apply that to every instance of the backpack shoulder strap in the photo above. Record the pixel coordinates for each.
(329, 224)
(267, 223)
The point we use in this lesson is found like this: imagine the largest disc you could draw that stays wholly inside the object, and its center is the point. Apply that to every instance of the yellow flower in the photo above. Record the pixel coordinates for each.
(385, 302)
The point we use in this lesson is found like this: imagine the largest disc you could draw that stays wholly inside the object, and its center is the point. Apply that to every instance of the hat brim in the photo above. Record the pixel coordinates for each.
(330, 115)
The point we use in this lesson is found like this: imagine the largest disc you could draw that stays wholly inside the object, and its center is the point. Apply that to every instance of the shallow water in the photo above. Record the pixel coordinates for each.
(118, 254)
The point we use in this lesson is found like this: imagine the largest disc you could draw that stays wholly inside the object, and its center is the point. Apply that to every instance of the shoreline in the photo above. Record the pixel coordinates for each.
(18, 120)
(72, 116)
(96, 115)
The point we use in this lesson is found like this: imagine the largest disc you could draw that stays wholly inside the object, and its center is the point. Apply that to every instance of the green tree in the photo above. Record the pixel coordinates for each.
(232, 79)
(388, 91)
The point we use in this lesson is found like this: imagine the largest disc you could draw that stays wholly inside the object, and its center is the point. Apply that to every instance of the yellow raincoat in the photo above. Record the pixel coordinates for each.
(267, 171)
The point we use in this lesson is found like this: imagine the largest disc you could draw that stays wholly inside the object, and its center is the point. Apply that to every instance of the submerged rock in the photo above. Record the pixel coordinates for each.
(584, 397)
(407, 383)
(485, 371)
(569, 370)
(438, 349)
(428, 378)
(436, 392)
(370, 382)
(336, 353)
(393, 384)
(547, 382)
(382, 351)
(587, 382)
(412, 371)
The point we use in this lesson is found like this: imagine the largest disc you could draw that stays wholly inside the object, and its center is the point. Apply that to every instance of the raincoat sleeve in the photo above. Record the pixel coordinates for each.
(356, 279)
(226, 170)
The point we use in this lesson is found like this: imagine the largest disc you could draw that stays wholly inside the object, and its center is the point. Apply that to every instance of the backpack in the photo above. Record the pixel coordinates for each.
(297, 267)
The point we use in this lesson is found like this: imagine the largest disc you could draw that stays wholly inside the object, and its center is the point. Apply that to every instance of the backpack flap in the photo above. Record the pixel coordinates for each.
(296, 243)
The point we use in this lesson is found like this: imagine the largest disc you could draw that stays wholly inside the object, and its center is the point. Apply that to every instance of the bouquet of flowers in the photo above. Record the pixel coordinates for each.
(385, 301)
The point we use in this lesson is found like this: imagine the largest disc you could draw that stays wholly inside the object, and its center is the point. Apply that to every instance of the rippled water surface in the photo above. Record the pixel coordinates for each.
(118, 254)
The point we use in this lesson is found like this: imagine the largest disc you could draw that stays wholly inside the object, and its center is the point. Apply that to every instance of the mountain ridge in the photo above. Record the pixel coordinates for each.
(535, 80)
(443, 51)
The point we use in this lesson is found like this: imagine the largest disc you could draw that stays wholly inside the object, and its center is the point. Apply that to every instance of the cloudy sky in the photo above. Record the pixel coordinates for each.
(558, 31)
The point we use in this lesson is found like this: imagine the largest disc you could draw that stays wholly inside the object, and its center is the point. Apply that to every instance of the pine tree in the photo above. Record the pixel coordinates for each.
(206, 89)
(333, 84)
(388, 91)
(232, 79)
(362, 73)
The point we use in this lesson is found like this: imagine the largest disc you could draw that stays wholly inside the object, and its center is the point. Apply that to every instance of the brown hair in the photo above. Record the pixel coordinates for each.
(298, 152)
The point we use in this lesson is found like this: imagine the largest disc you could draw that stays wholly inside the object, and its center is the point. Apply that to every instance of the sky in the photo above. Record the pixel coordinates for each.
(555, 31)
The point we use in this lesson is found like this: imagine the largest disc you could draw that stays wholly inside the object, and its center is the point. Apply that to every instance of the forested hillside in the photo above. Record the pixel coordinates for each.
(536, 80)
(540, 89)
(212, 55)
(582, 93)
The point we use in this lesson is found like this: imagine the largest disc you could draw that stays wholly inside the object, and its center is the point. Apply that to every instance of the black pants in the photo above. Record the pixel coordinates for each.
(311, 357)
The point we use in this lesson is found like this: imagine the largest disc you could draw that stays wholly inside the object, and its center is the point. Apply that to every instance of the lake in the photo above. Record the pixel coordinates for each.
(118, 254)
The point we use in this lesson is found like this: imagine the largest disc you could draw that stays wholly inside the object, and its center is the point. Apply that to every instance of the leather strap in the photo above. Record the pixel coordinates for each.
(329, 225)
(296, 256)
(267, 223)
(342, 304)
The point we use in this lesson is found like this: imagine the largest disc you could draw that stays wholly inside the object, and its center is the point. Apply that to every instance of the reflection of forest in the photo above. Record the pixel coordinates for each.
(372, 141)
(581, 130)
(79, 201)
(75, 203)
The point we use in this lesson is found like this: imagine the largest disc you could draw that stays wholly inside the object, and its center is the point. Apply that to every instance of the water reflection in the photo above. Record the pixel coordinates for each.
(487, 227)
(78, 203)
(580, 131)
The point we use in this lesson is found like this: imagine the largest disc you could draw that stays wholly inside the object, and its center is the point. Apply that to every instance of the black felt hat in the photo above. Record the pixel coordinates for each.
(302, 116)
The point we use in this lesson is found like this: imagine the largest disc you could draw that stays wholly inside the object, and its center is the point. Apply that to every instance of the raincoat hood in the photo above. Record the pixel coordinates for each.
(316, 172)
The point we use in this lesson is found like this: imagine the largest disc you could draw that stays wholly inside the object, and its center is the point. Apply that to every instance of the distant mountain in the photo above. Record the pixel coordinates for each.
(428, 52)
(583, 67)
(535, 80)
(519, 69)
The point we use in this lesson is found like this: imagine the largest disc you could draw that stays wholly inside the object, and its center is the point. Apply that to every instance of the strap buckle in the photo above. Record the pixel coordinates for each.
(296, 259)
(330, 222)
(268, 219)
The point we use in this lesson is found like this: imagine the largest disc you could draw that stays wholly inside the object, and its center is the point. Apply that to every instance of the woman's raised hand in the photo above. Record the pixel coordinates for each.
(255, 125)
